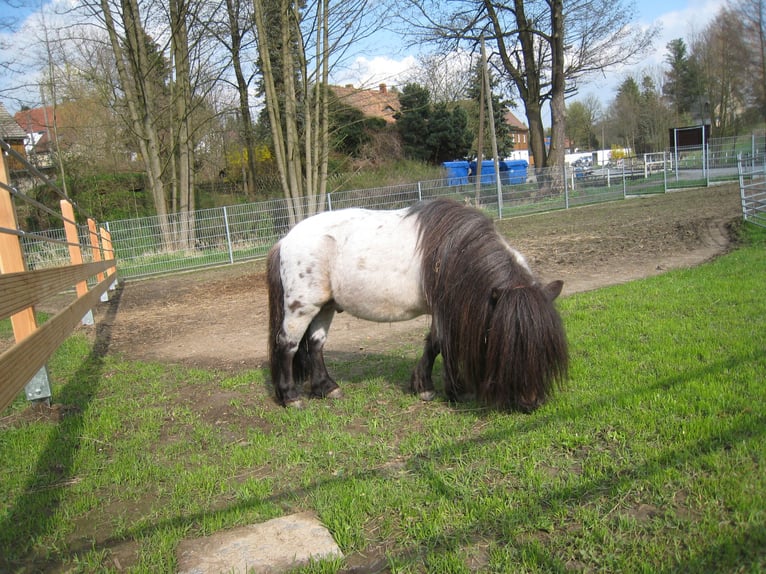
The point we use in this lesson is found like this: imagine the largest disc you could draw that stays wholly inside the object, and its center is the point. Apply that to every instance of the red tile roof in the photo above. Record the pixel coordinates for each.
(379, 103)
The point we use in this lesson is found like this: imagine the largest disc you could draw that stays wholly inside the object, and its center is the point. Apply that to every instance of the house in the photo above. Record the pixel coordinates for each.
(12, 134)
(381, 103)
(37, 123)
(520, 137)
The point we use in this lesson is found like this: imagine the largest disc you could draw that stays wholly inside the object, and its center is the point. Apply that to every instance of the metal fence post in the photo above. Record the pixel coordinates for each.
(228, 234)
(665, 171)
(420, 193)
(624, 182)
(566, 187)
(329, 201)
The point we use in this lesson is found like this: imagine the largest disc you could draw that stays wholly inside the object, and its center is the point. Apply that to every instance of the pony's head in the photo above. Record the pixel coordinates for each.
(526, 347)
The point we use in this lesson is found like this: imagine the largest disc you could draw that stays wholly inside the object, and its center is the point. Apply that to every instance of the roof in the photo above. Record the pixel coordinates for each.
(515, 123)
(34, 120)
(9, 129)
(37, 121)
(378, 103)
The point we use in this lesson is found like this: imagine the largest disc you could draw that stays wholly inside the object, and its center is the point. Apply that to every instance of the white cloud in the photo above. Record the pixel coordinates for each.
(366, 72)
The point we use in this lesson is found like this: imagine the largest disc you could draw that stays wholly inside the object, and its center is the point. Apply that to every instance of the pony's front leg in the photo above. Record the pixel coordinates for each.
(421, 382)
(322, 384)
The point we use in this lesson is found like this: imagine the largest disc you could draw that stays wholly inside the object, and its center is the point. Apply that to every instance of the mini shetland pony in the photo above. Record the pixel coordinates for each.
(496, 327)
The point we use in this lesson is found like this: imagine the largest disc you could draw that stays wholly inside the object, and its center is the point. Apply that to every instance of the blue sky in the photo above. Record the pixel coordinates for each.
(385, 62)
(676, 18)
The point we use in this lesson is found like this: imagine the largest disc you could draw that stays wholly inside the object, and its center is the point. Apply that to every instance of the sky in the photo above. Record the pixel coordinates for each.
(385, 61)
(676, 18)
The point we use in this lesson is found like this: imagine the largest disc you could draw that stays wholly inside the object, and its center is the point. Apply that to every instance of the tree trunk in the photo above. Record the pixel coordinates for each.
(558, 85)
(248, 137)
(183, 150)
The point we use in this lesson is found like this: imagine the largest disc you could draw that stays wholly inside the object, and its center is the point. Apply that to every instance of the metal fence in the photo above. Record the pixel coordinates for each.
(752, 187)
(154, 245)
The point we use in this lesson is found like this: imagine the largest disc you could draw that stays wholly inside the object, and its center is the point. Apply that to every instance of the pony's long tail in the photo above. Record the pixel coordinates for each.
(527, 347)
(301, 365)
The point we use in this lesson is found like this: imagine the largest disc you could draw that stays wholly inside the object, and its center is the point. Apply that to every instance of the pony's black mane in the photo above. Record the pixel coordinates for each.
(500, 333)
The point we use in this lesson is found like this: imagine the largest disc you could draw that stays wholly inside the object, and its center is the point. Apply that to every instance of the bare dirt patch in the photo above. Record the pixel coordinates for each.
(218, 318)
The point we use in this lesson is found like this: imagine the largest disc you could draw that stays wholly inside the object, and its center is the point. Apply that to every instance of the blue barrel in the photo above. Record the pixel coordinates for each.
(457, 172)
(513, 171)
(487, 170)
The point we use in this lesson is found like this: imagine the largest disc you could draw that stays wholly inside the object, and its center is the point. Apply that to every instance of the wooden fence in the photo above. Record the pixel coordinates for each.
(21, 289)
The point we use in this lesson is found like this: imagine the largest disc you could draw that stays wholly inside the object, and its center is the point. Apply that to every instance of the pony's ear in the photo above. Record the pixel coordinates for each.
(553, 289)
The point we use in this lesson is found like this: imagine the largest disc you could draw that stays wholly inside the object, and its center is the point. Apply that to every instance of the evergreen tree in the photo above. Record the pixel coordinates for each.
(412, 121)
(448, 135)
(431, 133)
(499, 107)
(682, 81)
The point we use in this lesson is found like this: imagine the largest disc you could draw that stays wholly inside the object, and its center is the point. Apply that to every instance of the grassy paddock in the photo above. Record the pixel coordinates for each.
(652, 458)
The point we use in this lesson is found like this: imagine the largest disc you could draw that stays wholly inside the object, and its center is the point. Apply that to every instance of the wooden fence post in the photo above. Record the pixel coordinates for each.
(96, 249)
(75, 253)
(12, 261)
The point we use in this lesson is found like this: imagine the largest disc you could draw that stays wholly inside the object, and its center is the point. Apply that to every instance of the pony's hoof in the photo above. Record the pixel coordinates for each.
(335, 394)
(427, 395)
(297, 404)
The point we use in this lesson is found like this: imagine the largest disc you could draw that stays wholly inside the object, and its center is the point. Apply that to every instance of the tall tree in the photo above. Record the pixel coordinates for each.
(724, 61)
(752, 14)
(297, 44)
(682, 81)
(581, 121)
(234, 29)
(135, 68)
(654, 118)
(431, 132)
(500, 105)
(412, 122)
(627, 107)
(448, 136)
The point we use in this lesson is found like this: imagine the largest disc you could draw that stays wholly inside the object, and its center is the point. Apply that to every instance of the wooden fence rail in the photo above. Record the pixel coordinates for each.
(21, 290)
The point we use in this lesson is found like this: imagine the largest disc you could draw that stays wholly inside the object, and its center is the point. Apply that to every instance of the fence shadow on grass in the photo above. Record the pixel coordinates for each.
(54, 469)
(580, 491)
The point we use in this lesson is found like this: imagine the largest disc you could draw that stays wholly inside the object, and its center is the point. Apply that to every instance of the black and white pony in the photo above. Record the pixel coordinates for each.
(497, 328)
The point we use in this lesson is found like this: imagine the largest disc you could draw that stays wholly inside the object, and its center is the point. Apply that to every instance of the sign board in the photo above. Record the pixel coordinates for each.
(690, 136)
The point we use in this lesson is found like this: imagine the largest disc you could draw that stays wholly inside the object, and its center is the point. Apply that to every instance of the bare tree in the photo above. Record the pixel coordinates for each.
(544, 47)
(128, 39)
(162, 86)
(447, 77)
(581, 121)
(295, 64)
(231, 23)
(752, 14)
(725, 64)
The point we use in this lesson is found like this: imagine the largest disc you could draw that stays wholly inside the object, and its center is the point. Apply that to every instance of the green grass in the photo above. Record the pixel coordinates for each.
(651, 459)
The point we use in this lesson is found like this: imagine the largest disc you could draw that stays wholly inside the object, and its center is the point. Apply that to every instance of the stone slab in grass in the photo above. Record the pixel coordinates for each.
(268, 548)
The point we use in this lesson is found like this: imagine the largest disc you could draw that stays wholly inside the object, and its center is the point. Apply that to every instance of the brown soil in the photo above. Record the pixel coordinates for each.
(218, 318)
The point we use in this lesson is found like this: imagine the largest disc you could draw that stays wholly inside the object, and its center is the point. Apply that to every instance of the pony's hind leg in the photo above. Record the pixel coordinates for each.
(421, 382)
(322, 385)
(293, 354)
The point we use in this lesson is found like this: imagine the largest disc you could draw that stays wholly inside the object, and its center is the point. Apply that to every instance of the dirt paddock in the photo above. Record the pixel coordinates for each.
(217, 318)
